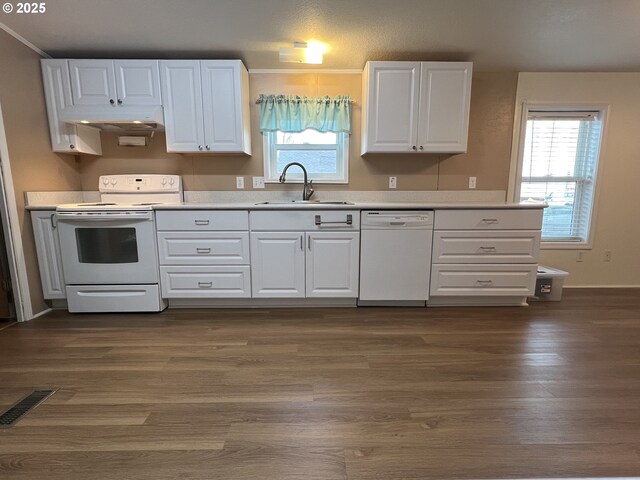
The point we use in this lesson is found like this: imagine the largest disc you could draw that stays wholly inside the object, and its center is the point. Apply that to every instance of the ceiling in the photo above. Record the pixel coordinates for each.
(497, 35)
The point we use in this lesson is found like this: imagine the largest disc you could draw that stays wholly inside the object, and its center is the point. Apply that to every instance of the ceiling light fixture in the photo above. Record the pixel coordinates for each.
(303, 52)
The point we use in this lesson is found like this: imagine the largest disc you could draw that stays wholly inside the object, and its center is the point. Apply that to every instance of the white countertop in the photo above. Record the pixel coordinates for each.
(255, 200)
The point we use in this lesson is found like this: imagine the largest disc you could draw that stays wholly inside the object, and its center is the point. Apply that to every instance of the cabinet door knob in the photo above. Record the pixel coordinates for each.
(72, 146)
(112, 101)
(421, 147)
(414, 148)
(199, 147)
(119, 102)
(208, 147)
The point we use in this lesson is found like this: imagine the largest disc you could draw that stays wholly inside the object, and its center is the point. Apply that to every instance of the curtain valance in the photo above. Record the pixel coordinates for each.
(291, 113)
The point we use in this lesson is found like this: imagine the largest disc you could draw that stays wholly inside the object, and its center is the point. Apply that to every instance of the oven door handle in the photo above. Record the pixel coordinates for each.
(110, 217)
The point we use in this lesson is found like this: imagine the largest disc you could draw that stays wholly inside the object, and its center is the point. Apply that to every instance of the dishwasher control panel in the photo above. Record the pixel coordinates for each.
(397, 219)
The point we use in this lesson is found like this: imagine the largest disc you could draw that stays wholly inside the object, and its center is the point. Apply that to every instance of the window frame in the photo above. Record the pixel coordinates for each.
(518, 161)
(270, 159)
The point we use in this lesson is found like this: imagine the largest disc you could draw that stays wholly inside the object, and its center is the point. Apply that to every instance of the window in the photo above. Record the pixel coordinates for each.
(323, 154)
(559, 161)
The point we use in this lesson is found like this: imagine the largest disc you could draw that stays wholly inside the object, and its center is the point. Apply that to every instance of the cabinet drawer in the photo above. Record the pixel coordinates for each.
(203, 248)
(205, 282)
(202, 220)
(296, 220)
(504, 246)
(488, 219)
(483, 280)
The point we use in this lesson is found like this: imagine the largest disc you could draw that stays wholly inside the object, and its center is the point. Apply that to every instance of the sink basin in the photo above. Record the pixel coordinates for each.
(303, 202)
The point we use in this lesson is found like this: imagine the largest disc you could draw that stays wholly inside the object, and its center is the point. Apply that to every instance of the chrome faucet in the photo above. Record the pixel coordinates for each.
(307, 190)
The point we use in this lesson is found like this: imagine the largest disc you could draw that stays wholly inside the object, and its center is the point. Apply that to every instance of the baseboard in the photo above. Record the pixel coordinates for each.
(600, 286)
(261, 302)
(391, 303)
(39, 314)
(477, 302)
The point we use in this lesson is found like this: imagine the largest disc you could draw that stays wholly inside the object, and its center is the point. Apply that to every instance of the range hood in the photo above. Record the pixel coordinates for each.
(139, 118)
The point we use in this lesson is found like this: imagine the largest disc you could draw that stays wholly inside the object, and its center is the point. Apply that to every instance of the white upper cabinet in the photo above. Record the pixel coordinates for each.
(65, 138)
(206, 106)
(115, 82)
(418, 107)
(182, 98)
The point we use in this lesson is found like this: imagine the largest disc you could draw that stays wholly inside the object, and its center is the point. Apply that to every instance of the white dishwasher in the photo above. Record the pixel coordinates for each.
(395, 257)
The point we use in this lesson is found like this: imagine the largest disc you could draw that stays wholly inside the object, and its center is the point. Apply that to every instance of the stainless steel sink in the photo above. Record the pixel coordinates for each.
(303, 202)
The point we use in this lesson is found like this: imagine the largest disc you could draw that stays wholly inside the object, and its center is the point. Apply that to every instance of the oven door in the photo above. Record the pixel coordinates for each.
(115, 248)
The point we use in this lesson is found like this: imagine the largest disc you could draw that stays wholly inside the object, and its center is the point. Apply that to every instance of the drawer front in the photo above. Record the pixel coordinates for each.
(203, 248)
(489, 219)
(205, 282)
(205, 220)
(483, 280)
(307, 220)
(507, 246)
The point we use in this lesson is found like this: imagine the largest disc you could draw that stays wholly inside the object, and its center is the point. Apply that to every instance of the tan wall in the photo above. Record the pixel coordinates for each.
(491, 123)
(33, 165)
(616, 223)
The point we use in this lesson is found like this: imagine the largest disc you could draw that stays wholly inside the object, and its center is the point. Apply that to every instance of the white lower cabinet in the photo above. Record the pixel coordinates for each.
(277, 264)
(321, 262)
(485, 256)
(48, 252)
(332, 264)
(305, 264)
(204, 253)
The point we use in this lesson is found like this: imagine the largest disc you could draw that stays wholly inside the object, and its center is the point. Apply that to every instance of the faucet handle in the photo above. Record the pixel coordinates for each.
(310, 190)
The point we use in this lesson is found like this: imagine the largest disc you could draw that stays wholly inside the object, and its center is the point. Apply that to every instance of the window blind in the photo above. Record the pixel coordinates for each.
(559, 165)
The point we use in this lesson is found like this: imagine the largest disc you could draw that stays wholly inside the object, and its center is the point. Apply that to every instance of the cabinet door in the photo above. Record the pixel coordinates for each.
(277, 264)
(48, 252)
(391, 106)
(137, 82)
(224, 98)
(57, 90)
(182, 102)
(92, 82)
(445, 92)
(332, 264)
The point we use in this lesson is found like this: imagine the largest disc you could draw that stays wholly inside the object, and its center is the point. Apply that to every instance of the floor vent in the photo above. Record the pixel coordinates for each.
(24, 406)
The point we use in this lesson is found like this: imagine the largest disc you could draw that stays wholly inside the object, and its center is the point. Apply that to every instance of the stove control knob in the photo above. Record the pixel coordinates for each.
(113, 181)
(163, 181)
(105, 180)
(171, 181)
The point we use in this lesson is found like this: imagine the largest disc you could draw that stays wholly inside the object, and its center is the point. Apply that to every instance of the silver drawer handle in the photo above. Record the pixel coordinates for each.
(487, 249)
(490, 221)
(203, 250)
(202, 222)
(348, 221)
(205, 284)
(484, 283)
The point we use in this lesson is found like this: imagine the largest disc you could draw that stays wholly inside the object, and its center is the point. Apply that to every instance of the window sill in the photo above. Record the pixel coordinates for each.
(565, 246)
(315, 182)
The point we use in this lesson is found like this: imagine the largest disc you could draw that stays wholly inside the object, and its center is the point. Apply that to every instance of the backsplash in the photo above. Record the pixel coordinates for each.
(490, 134)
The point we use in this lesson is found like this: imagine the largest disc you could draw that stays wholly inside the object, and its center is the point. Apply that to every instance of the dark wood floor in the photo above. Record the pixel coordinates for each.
(552, 390)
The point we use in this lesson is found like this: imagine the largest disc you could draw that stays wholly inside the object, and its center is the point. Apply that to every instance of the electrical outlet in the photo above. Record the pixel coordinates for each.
(258, 182)
(392, 182)
(239, 183)
(472, 182)
(580, 256)
(607, 255)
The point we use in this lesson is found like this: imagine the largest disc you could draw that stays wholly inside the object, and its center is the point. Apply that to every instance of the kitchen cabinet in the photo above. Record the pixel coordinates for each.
(312, 254)
(65, 138)
(48, 253)
(204, 254)
(206, 106)
(115, 82)
(416, 107)
(485, 256)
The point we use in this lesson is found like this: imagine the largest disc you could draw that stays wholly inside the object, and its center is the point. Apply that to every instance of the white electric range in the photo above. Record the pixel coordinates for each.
(109, 249)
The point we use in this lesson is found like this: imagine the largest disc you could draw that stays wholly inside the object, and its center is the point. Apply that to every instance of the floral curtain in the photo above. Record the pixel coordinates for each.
(290, 113)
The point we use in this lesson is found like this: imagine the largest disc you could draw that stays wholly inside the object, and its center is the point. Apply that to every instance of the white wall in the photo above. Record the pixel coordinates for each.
(617, 211)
